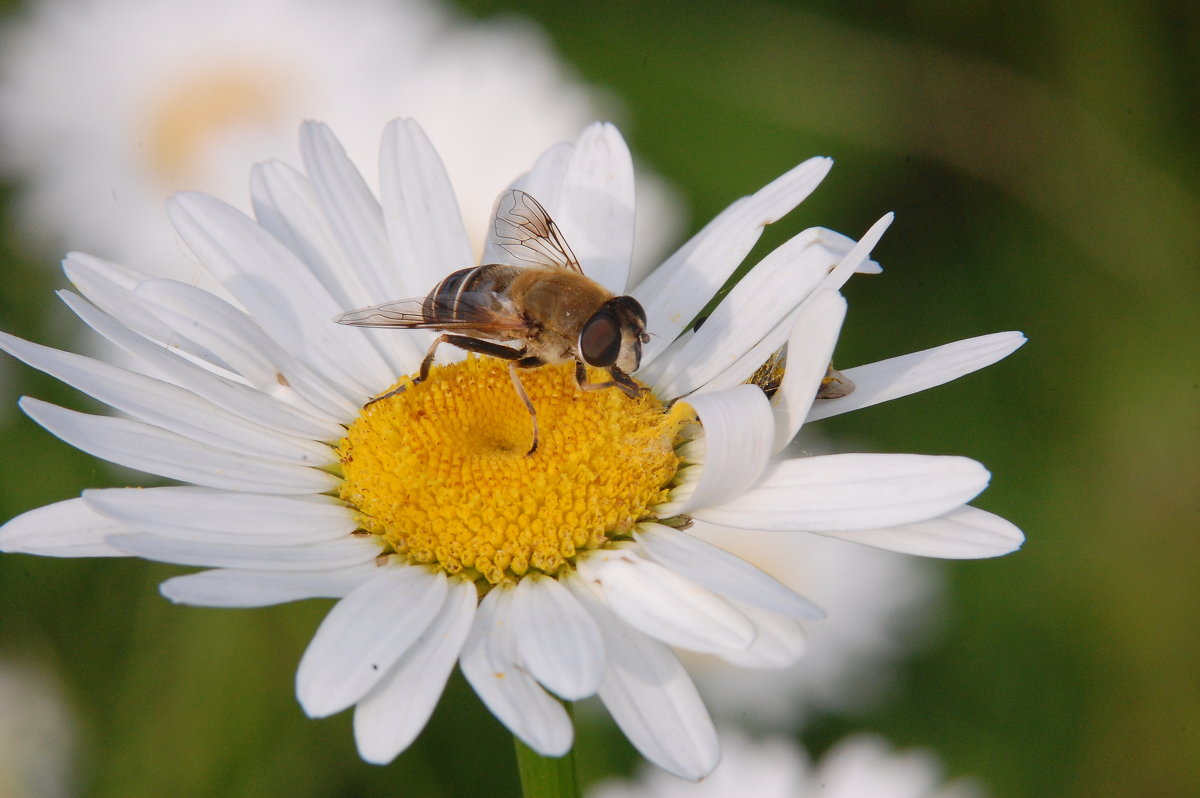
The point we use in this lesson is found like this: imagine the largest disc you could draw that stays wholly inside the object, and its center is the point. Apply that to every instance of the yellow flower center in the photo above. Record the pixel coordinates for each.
(440, 472)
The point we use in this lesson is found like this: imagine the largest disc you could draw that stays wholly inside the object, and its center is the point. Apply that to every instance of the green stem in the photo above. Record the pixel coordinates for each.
(546, 777)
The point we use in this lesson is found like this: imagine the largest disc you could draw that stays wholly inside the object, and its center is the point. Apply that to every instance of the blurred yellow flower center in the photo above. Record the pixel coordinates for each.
(197, 111)
(440, 473)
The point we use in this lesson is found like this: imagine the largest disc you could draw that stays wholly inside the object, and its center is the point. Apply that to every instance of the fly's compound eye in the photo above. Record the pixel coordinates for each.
(600, 341)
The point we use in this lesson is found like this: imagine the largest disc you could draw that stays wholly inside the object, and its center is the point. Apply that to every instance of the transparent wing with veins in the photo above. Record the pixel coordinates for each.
(480, 311)
(525, 231)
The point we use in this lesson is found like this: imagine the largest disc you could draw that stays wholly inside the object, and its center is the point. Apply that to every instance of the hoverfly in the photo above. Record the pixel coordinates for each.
(769, 377)
(547, 305)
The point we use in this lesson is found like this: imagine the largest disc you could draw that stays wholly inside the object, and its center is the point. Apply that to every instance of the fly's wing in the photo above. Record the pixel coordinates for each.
(525, 231)
(479, 311)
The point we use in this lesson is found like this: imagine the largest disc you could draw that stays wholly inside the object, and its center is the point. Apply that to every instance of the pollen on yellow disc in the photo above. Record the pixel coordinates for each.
(440, 470)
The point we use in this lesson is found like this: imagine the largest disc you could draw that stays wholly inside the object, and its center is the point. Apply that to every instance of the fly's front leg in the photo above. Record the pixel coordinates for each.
(626, 383)
(619, 380)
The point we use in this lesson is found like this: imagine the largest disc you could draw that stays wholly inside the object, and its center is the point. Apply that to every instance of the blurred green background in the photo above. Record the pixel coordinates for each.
(1043, 165)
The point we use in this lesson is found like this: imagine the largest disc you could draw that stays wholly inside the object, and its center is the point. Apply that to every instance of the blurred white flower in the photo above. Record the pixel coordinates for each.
(882, 604)
(113, 105)
(862, 766)
(37, 734)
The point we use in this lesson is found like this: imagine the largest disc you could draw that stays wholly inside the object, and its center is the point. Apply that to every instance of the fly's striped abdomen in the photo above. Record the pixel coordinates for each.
(463, 290)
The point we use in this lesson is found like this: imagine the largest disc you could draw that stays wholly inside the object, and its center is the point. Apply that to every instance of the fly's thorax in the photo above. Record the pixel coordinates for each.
(559, 302)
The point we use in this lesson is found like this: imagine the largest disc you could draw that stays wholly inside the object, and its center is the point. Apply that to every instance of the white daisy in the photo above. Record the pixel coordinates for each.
(114, 105)
(564, 572)
(861, 766)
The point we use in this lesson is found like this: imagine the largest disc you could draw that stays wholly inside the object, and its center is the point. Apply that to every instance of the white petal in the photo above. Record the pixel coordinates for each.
(211, 326)
(900, 376)
(778, 641)
(390, 717)
(842, 245)
(738, 431)
(854, 260)
(556, 638)
(420, 210)
(841, 492)
(211, 516)
(165, 405)
(721, 572)
(596, 209)
(66, 529)
(810, 350)
(650, 696)
(327, 555)
(109, 287)
(285, 203)
(665, 606)
(211, 329)
(356, 220)
(490, 663)
(98, 269)
(238, 398)
(239, 588)
(112, 289)
(649, 374)
(286, 206)
(545, 180)
(676, 291)
(352, 210)
(744, 367)
(284, 298)
(145, 448)
(965, 533)
(760, 300)
(833, 248)
(364, 635)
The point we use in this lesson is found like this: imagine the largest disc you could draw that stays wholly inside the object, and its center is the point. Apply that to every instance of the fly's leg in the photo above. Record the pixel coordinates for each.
(526, 363)
(470, 345)
(619, 380)
(394, 392)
